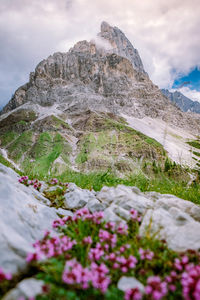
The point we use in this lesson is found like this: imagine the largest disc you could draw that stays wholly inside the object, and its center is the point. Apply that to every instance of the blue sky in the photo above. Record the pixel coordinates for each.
(191, 80)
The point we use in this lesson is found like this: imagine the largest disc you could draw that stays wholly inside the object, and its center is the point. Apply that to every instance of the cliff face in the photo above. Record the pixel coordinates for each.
(74, 102)
(183, 102)
(89, 76)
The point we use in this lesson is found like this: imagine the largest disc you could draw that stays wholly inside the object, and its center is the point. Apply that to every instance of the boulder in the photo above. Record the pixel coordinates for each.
(23, 219)
(180, 230)
(76, 197)
(27, 288)
(125, 197)
(126, 283)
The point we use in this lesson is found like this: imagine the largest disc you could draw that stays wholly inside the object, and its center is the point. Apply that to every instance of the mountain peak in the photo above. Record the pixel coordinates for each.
(121, 45)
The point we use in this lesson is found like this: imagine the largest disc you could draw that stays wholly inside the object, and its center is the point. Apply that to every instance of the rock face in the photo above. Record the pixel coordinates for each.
(183, 102)
(121, 45)
(92, 77)
(23, 219)
(25, 216)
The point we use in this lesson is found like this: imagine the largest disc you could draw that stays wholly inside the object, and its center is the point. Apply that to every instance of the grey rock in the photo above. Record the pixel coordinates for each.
(23, 219)
(181, 101)
(167, 201)
(179, 230)
(90, 77)
(28, 288)
(125, 283)
(121, 45)
(121, 212)
(110, 216)
(95, 205)
(64, 212)
(125, 197)
(76, 197)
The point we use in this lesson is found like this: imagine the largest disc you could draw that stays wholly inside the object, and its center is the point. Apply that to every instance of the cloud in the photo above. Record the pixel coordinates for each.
(166, 33)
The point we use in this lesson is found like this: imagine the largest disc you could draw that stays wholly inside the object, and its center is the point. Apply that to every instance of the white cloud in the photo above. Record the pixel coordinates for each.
(166, 33)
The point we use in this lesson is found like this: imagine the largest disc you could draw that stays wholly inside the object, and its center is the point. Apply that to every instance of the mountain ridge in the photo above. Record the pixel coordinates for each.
(183, 102)
(93, 85)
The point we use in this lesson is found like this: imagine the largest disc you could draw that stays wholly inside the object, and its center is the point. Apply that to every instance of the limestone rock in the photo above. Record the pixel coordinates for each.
(95, 205)
(23, 219)
(126, 197)
(125, 283)
(76, 197)
(28, 288)
(179, 230)
(121, 45)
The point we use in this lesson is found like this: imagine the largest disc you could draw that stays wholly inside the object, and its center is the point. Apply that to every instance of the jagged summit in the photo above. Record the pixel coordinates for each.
(75, 109)
(121, 45)
(92, 77)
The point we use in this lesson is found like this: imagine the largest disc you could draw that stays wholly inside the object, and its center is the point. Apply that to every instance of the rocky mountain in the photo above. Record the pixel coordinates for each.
(183, 102)
(94, 108)
(108, 186)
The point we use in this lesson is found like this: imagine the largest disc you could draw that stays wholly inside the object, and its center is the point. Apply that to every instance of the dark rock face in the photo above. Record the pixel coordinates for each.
(184, 103)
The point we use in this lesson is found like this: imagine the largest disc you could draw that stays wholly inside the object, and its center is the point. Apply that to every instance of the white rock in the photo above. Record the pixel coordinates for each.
(76, 197)
(168, 201)
(121, 212)
(64, 212)
(126, 197)
(28, 288)
(180, 231)
(126, 283)
(23, 219)
(110, 216)
(95, 205)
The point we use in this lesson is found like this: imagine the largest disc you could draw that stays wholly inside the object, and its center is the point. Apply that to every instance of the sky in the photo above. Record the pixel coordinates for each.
(165, 32)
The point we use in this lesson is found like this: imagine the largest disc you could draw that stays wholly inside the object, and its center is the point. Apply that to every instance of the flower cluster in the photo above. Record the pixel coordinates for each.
(156, 288)
(133, 294)
(96, 275)
(81, 214)
(53, 181)
(50, 247)
(146, 254)
(135, 216)
(107, 238)
(35, 183)
(92, 255)
(190, 281)
(125, 264)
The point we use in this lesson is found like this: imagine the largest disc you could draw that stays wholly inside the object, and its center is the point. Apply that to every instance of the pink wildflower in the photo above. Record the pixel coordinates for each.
(87, 240)
(156, 288)
(133, 294)
(4, 276)
(146, 254)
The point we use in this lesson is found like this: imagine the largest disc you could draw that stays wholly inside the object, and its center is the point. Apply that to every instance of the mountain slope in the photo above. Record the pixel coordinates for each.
(74, 110)
(183, 102)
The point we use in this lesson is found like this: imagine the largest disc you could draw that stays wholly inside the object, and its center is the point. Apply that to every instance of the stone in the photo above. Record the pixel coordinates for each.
(76, 197)
(28, 288)
(121, 45)
(64, 212)
(125, 197)
(183, 102)
(167, 201)
(121, 212)
(110, 216)
(23, 219)
(95, 205)
(180, 231)
(126, 283)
